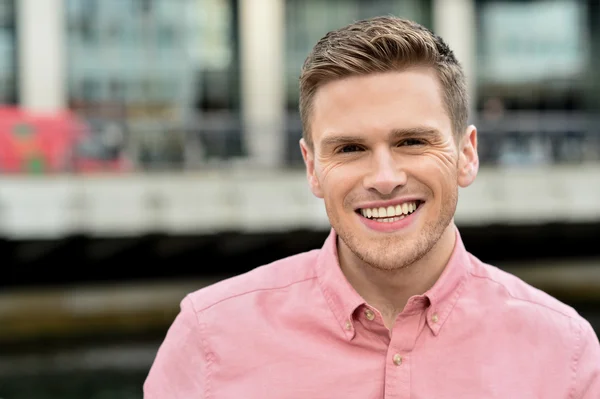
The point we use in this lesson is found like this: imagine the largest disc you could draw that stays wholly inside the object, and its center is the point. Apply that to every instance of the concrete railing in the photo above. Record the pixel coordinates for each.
(249, 200)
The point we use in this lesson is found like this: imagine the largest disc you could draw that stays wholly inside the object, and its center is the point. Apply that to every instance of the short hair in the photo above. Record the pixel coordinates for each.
(382, 44)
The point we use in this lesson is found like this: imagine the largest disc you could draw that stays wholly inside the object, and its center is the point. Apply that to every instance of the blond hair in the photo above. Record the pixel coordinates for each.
(382, 44)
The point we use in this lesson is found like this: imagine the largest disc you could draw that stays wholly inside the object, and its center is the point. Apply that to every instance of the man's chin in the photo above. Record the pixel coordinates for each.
(393, 236)
(390, 262)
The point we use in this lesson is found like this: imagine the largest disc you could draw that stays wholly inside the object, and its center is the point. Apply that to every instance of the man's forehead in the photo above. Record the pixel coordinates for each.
(380, 105)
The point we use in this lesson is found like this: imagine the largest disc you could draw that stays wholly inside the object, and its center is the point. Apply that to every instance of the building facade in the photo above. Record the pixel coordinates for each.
(219, 78)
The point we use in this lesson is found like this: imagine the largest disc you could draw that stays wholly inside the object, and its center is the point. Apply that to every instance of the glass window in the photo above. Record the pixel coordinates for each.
(8, 62)
(537, 80)
(218, 78)
(120, 51)
(533, 54)
(151, 64)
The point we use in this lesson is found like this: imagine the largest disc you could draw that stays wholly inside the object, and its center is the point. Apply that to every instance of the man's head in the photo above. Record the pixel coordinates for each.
(384, 110)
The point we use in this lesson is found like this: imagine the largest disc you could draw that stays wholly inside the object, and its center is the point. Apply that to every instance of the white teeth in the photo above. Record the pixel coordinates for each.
(391, 213)
(394, 219)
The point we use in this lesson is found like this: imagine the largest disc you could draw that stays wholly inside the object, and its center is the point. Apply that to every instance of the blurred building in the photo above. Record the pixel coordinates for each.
(191, 81)
(210, 88)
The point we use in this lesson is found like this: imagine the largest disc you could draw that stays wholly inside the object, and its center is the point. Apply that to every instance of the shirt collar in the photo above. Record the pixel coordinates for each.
(343, 300)
(339, 294)
(445, 292)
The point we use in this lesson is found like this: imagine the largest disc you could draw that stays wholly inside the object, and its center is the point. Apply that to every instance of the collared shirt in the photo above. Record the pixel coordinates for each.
(297, 329)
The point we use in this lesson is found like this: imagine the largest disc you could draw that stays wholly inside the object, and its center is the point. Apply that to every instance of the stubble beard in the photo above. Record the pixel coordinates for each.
(390, 253)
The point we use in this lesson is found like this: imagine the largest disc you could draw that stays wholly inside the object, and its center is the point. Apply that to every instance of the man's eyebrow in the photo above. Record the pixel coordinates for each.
(395, 134)
(334, 141)
(417, 131)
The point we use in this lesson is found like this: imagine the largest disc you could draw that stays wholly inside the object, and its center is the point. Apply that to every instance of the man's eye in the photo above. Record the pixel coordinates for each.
(349, 148)
(411, 142)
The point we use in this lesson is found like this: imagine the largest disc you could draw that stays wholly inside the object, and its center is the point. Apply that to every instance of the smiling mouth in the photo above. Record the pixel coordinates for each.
(391, 213)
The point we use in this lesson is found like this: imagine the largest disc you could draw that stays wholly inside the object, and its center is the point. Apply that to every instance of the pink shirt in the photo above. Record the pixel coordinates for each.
(296, 329)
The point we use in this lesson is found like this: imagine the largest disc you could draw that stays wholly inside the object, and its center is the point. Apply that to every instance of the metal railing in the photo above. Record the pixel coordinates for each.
(216, 140)
(518, 138)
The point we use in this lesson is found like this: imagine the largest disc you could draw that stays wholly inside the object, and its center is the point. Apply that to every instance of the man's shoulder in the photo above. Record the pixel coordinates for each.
(531, 312)
(273, 276)
(531, 299)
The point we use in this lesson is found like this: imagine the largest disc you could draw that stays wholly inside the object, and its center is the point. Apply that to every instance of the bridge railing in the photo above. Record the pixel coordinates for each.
(218, 140)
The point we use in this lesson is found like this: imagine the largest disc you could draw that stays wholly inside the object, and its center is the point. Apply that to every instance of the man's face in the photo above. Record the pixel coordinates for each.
(387, 165)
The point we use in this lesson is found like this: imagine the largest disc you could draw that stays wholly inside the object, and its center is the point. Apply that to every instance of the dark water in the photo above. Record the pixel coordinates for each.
(74, 385)
(108, 371)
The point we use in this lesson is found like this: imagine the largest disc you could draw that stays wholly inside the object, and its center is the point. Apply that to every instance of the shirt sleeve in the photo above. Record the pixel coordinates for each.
(587, 364)
(179, 368)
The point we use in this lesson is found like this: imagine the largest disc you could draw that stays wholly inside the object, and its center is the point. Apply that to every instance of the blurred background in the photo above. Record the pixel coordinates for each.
(150, 147)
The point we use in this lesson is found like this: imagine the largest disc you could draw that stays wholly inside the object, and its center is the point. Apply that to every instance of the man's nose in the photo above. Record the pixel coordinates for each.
(385, 174)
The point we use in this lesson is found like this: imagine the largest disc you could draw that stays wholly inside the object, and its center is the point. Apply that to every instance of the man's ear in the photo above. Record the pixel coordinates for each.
(468, 159)
(309, 160)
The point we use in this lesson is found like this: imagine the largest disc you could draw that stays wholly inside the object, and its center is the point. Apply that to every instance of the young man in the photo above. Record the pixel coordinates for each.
(392, 305)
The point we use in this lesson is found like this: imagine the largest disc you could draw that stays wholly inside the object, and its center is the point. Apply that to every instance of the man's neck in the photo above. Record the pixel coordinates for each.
(389, 291)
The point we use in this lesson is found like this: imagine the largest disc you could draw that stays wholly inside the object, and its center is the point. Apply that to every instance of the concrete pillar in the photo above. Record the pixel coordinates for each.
(262, 62)
(454, 21)
(41, 48)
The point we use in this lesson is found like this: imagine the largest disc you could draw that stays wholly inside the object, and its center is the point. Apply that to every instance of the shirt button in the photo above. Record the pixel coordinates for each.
(397, 359)
(435, 318)
(369, 313)
(348, 325)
